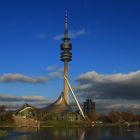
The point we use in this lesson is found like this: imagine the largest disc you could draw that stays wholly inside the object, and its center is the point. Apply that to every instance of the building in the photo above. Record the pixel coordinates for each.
(58, 108)
(61, 105)
(26, 116)
(89, 106)
(26, 111)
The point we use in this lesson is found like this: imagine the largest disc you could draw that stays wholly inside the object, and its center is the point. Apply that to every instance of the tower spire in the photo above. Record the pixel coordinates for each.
(66, 25)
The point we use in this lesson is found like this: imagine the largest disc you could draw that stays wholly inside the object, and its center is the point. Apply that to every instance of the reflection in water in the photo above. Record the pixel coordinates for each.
(107, 133)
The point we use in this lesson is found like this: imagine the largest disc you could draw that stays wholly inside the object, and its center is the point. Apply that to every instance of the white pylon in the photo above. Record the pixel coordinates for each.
(75, 98)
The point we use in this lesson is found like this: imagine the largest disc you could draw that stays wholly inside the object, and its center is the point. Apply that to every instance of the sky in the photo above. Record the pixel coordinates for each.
(105, 35)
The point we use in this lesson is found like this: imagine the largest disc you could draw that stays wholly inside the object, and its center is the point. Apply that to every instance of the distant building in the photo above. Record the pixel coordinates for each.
(26, 111)
(89, 106)
(26, 116)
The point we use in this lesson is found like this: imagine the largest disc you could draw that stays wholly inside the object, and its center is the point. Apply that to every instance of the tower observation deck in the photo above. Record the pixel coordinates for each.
(66, 56)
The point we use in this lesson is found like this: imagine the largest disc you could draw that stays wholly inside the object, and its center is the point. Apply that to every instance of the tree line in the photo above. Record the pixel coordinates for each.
(5, 115)
(112, 117)
(115, 117)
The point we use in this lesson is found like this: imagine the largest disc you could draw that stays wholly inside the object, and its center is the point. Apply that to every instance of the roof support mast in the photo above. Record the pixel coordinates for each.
(75, 99)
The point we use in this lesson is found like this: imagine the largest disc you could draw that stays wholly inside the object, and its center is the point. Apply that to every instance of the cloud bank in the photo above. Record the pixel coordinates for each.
(111, 86)
(55, 71)
(13, 102)
(111, 91)
(20, 78)
(12, 98)
(17, 77)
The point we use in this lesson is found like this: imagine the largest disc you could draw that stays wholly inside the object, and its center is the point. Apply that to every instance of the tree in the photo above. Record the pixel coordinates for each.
(104, 118)
(5, 116)
(2, 110)
(137, 117)
(93, 116)
(127, 116)
(114, 116)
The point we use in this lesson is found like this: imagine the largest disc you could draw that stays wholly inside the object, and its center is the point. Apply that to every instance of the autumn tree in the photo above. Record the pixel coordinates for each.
(127, 116)
(114, 116)
(137, 117)
(93, 116)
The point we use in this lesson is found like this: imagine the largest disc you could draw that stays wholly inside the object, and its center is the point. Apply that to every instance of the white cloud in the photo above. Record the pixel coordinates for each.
(55, 75)
(52, 68)
(72, 34)
(12, 98)
(55, 71)
(14, 102)
(33, 98)
(17, 77)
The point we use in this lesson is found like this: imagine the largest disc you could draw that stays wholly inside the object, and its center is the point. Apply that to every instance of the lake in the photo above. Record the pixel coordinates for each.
(106, 133)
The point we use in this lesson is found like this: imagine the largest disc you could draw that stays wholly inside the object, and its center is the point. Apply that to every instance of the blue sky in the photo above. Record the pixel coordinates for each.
(105, 38)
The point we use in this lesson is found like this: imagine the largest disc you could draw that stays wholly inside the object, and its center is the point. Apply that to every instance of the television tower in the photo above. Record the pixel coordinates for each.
(66, 56)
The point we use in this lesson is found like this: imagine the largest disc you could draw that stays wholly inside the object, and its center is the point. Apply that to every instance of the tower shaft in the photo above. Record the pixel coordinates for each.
(66, 56)
(66, 88)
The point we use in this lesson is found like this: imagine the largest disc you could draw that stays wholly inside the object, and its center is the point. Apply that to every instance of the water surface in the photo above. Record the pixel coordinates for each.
(107, 133)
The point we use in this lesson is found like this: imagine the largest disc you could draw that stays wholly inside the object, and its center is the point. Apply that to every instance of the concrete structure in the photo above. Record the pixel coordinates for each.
(89, 106)
(66, 56)
(61, 105)
(75, 98)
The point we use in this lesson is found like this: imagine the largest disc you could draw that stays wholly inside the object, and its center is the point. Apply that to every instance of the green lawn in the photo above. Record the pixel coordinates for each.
(58, 123)
(3, 133)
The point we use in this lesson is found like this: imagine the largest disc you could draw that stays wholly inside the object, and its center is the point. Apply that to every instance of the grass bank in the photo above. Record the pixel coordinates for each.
(5, 124)
(3, 133)
(61, 123)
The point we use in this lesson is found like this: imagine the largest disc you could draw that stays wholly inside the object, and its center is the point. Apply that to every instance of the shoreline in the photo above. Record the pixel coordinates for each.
(51, 125)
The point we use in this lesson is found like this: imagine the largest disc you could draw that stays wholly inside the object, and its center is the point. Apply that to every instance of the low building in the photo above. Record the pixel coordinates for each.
(26, 111)
(26, 116)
